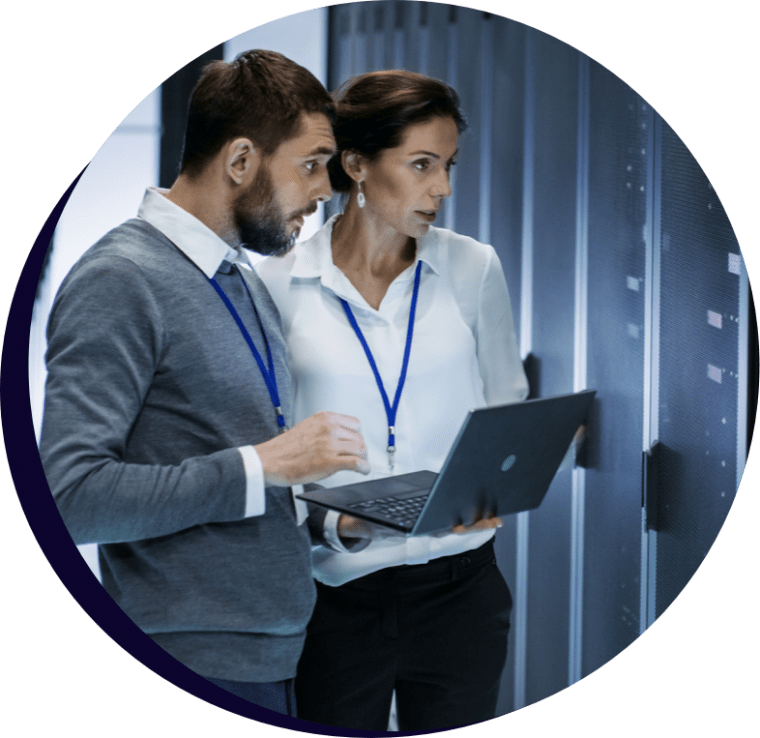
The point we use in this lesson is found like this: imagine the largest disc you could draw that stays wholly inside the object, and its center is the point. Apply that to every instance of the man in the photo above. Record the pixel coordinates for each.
(165, 427)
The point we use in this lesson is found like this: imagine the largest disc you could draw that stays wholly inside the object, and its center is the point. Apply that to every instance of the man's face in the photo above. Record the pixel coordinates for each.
(287, 187)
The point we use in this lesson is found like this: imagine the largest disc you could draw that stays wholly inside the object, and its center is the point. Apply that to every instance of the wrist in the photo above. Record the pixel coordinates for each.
(271, 466)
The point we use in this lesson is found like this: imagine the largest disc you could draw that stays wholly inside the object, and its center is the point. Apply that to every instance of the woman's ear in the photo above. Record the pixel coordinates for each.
(354, 165)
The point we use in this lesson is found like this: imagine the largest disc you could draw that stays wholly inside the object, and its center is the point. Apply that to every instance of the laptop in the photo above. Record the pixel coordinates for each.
(502, 462)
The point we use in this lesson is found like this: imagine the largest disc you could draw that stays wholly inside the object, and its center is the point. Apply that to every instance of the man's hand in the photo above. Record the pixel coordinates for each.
(314, 449)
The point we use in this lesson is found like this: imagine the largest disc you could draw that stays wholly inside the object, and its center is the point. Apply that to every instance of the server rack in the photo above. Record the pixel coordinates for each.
(625, 276)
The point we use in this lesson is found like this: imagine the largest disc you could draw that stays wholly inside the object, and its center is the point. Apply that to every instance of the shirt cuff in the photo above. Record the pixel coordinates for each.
(302, 511)
(255, 496)
(335, 542)
(332, 539)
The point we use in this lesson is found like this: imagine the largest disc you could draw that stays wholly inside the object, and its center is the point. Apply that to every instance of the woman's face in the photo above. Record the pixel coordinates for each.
(405, 186)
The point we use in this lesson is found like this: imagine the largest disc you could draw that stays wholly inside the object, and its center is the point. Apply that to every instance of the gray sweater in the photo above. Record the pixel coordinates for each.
(151, 389)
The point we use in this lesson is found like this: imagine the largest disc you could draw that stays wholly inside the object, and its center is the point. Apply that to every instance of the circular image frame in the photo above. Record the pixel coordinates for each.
(120, 657)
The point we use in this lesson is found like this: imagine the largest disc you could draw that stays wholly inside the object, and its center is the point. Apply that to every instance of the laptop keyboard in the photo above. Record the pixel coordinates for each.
(402, 512)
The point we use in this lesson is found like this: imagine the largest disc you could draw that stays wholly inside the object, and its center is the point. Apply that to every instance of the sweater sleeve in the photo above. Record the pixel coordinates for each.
(499, 360)
(105, 338)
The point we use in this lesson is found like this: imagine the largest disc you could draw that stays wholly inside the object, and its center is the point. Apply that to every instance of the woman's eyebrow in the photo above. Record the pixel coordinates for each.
(431, 154)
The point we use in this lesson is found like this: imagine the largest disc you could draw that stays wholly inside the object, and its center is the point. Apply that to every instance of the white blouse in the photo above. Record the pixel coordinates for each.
(464, 355)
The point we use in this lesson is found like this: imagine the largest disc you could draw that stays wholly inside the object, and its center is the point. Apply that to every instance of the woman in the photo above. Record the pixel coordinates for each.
(426, 616)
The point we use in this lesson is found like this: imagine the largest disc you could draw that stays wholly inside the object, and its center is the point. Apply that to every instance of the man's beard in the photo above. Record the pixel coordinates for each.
(262, 227)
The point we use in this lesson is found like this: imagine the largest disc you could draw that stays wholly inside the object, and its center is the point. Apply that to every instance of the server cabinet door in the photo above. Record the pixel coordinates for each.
(555, 129)
(507, 113)
(619, 123)
(701, 324)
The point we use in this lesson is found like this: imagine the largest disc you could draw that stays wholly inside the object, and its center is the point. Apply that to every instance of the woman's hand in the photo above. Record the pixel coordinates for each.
(481, 524)
(351, 527)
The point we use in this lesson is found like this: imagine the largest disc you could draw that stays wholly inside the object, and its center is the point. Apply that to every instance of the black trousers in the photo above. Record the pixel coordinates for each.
(436, 633)
(276, 696)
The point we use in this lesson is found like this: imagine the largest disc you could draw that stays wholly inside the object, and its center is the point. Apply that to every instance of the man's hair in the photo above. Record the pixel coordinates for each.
(374, 110)
(261, 95)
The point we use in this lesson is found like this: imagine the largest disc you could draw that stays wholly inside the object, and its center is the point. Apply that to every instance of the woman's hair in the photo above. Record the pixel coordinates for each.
(374, 110)
(261, 95)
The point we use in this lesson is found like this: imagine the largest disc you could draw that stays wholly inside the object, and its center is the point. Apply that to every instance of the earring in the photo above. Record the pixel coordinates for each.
(360, 199)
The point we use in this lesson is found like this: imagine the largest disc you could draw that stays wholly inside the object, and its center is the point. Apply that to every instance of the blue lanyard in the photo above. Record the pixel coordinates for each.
(390, 410)
(269, 376)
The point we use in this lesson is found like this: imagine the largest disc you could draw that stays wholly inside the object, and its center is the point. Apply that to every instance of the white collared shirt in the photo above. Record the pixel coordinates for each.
(464, 355)
(207, 251)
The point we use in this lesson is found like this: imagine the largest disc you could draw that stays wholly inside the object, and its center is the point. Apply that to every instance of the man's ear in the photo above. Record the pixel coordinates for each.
(354, 165)
(242, 160)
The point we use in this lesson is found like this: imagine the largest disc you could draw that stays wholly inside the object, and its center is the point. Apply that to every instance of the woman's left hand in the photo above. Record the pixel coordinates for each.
(482, 524)
(351, 527)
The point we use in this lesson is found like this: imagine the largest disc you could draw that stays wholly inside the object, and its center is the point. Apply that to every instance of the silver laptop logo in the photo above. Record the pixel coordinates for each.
(509, 462)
